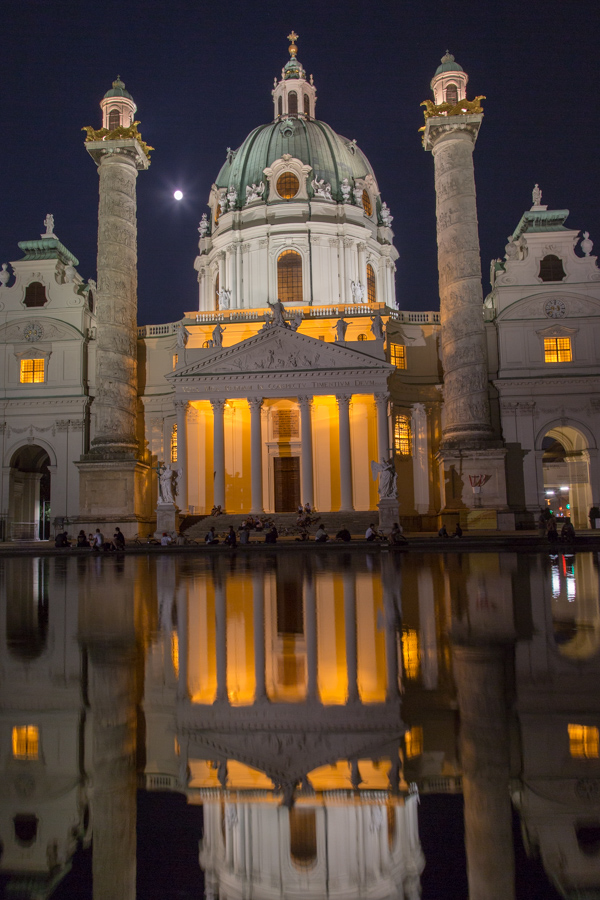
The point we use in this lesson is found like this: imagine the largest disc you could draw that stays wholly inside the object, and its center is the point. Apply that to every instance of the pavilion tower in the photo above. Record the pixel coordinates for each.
(469, 444)
(112, 477)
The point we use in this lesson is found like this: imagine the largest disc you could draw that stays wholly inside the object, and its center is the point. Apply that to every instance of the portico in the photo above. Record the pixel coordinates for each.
(281, 419)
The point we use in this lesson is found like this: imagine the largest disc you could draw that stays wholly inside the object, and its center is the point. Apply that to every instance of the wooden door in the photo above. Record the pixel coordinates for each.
(287, 483)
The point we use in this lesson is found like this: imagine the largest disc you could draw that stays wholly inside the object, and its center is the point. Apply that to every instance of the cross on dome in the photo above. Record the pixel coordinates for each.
(293, 37)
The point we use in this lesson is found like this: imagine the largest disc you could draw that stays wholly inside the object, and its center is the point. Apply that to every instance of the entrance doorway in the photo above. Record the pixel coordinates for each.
(29, 494)
(565, 464)
(287, 483)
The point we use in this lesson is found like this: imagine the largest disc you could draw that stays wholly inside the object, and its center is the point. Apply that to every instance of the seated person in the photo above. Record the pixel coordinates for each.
(166, 539)
(321, 535)
(343, 535)
(119, 539)
(443, 532)
(457, 531)
(371, 533)
(61, 539)
(396, 536)
(567, 532)
(271, 535)
(244, 535)
(307, 509)
(82, 540)
(231, 537)
(258, 524)
(211, 537)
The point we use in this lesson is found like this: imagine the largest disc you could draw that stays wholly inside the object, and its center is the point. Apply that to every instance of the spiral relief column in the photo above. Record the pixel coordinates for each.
(469, 444)
(113, 480)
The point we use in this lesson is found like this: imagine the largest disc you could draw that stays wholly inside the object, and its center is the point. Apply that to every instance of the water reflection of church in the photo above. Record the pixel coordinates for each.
(271, 696)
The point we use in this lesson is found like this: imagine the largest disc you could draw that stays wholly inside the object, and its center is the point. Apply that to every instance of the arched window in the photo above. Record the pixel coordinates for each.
(280, 106)
(551, 268)
(362, 337)
(288, 185)
(366, 202)
(217, 291)
(371, 284)
(174, 443)
(35, 294)
(452, 94)
(402, 436)
(289, 277)
(306, 105)
(293, 103)
(303, 837)
(114, 119)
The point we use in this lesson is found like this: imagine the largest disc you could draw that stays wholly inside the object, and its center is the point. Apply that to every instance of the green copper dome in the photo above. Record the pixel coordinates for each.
(118, 90)
(448, 64)
(331, 156)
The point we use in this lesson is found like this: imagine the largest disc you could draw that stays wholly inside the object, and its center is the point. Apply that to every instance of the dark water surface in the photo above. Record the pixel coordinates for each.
(300, 724)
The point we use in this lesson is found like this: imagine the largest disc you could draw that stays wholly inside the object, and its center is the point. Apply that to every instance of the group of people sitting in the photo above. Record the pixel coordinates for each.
(457, 533)
(91, 541)
(548, 526)
(242, 535)
(305, 516)
(372, 534)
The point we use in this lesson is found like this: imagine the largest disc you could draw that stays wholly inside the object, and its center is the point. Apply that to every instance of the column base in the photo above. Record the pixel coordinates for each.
(388, 513)
(115, 492)
(167, 519)
(457, 467)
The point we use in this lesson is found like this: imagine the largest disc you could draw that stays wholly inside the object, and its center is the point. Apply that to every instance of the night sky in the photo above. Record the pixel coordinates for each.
(202, 73)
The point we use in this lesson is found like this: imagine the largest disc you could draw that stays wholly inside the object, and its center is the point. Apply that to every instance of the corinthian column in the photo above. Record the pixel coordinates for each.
(343, 401)
(112, 480)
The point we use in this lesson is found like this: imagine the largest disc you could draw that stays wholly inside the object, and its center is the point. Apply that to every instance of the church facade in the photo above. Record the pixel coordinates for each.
(297, 370)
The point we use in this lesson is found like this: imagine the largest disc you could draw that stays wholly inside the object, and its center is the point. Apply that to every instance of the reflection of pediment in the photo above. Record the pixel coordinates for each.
(287, 741)
(534, 307)
(275, 351)
(286, 756)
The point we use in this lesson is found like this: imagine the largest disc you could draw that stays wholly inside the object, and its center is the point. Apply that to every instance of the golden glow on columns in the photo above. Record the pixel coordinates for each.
(584, 742)
(26, 742)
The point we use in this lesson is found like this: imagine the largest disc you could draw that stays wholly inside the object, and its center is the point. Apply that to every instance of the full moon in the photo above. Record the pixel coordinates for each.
(178, 195)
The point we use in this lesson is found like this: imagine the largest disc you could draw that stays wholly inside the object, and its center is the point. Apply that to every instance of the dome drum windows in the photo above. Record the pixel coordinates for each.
(292, 103)
(287, 186)
(289, 277)
(114, 119)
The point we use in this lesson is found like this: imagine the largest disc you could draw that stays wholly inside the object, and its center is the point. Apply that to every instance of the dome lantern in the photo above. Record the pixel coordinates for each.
(449, 84)
(118, 107)
(294, 95)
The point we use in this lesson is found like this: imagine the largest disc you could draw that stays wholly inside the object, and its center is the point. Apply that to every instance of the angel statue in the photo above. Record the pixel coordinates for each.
(387, 478)
(166, 486)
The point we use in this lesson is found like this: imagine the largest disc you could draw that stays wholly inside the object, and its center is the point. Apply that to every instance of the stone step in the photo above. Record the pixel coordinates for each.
(356, 522)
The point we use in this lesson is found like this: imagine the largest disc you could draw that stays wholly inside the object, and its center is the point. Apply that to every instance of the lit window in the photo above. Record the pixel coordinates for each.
(177, 748)
(584, 741)
(35, 294)
(32, 371)
(175, 360)
(26, 741)
(114, 119)
(288, 185)
(174, 443)
(413, 741)
(293, 103)
(452, 94)
(402, 436)
(411, 655)
(289, 277)
(371, 284)
(398, 355)
(551, 268)
(366, 202)
(175, 652)
(557, 350)
(362, 337)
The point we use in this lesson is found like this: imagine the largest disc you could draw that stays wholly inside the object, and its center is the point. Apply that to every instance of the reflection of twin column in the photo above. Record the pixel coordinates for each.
(305, 404)
(311, 641)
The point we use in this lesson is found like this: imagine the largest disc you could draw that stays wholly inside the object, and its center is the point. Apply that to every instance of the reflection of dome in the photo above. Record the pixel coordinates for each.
(331, 156)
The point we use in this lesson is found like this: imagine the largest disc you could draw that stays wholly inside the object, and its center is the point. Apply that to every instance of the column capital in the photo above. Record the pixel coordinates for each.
(255, 403)
(343, 399)
(382, 397)
(218, 406)
(305, 401)
(181, 405)
(361, 246)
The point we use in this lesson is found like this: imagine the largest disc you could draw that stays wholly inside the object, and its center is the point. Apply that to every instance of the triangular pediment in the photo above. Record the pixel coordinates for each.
(276, 350)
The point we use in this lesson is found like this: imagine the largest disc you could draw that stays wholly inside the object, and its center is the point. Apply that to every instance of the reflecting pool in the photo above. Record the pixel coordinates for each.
(300, 724)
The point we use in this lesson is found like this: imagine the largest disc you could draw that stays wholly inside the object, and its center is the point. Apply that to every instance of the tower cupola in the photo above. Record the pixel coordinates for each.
(449, 84)
(294, 95)
(118, 107)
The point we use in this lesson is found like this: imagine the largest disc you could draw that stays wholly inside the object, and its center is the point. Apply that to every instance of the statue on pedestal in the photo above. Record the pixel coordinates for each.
(388, 478)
